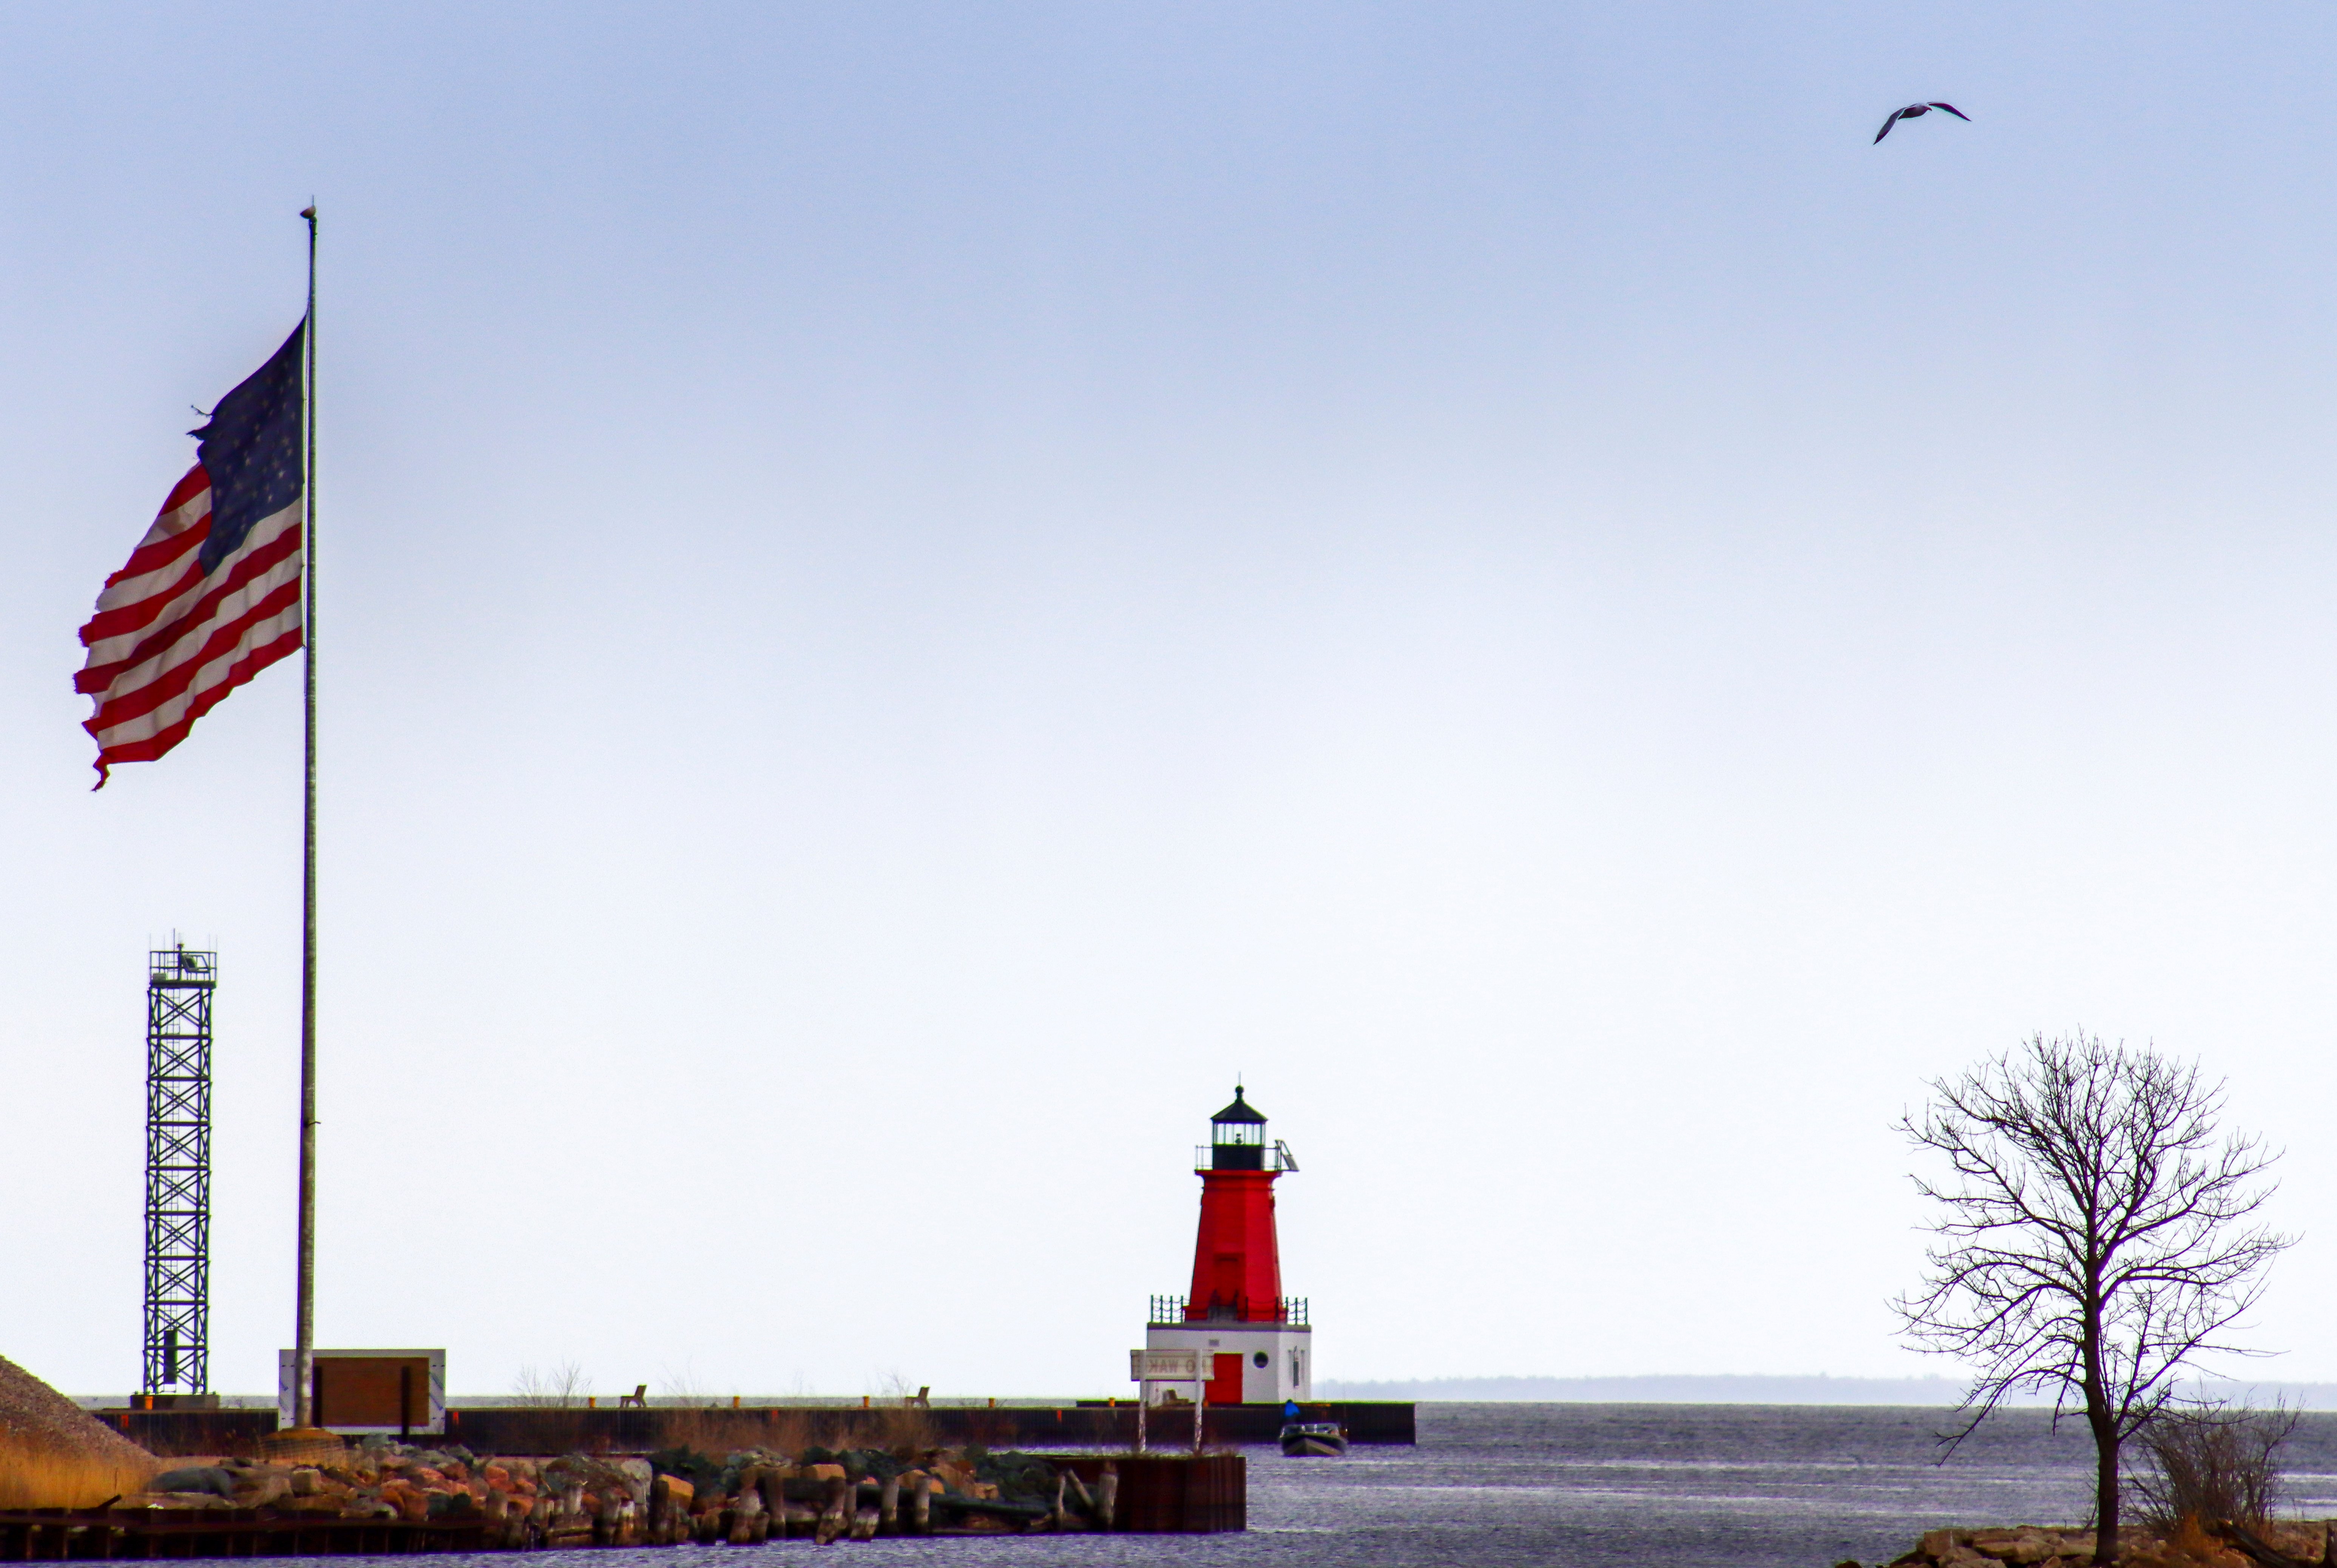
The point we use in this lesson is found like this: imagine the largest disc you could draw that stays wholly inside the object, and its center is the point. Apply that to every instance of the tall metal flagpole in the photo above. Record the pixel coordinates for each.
(304, 1315)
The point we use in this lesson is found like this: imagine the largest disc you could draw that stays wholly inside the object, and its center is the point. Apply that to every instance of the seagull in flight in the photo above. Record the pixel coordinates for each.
(1915, 111)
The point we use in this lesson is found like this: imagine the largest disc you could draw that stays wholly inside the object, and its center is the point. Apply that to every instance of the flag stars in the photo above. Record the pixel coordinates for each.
(251, 450)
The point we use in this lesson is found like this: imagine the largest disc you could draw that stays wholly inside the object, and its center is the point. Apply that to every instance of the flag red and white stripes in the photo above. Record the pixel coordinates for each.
(171, 640)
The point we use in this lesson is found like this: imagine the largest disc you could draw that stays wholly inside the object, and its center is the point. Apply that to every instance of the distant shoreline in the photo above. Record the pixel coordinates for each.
(1741, 1389)
(1932, 1393)
(1753, 1389)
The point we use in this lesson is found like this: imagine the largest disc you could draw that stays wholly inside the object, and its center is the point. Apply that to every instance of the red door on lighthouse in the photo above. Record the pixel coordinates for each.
(1226, 1377)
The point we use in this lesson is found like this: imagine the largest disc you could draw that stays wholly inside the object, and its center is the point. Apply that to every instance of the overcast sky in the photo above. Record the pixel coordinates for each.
(908, 590)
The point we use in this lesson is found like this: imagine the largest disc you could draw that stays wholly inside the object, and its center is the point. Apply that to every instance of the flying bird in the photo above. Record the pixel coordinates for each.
(1915, 111)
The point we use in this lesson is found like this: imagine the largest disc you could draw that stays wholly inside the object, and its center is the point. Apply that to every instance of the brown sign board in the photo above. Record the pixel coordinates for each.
(401, 1391)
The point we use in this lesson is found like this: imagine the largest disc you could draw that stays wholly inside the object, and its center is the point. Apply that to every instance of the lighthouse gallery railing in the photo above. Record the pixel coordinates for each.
(1170, 1311)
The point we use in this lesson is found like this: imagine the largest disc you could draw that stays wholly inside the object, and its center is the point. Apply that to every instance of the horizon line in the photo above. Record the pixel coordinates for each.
(1765, 1388)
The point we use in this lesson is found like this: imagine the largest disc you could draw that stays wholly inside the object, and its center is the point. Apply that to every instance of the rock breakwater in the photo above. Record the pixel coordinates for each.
(674, 1496)
(2290, 1543)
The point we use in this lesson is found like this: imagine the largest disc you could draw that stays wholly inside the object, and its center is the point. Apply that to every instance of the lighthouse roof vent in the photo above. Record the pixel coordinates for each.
(1240, 1110)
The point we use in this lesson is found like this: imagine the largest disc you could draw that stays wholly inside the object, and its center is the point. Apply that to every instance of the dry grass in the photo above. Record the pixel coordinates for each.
(55, 1454)
(2189, 1539)
(903, 1427)
(33, 1480)
(904, 1430)
(720, 1432)
(900, 1428)
(845, 1429)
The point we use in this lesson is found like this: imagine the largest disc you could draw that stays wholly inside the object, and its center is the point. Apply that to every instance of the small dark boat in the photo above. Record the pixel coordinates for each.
(1314, 1439)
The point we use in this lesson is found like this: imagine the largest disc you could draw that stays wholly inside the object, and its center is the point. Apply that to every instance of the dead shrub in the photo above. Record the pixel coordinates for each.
(560, 1388)
(2208, 1463)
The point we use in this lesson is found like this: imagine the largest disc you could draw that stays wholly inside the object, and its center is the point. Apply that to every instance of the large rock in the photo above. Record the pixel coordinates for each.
(55, 1454)
(2023, 1547)
(207, 1478)
(2018, 1546)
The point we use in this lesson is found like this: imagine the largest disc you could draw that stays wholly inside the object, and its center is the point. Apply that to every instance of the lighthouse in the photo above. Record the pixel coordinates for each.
(1253, 1341)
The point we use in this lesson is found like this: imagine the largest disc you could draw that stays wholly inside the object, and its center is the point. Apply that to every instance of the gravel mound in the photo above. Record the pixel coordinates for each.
(55, 1454)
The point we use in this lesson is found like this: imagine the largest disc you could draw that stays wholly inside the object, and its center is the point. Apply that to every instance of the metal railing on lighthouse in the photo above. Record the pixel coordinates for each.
(1170, 1311)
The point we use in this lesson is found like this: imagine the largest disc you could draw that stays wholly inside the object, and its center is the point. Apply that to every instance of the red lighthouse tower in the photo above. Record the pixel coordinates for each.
(1255, 1341)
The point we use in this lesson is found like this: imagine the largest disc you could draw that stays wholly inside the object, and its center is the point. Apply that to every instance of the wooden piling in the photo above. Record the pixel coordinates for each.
(834, 1515)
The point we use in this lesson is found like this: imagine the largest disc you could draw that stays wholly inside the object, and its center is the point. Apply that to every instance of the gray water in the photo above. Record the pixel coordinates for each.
(1612, 1486)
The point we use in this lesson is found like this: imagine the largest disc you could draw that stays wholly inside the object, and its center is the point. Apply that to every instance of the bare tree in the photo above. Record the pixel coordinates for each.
(2095, 1236)
(560, 1388)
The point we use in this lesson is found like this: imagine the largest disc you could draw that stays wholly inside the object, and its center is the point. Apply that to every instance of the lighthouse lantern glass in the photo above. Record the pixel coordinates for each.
(1238, 1137)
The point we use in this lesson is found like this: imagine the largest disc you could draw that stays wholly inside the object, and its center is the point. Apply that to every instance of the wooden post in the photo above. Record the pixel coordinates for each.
(888, 1505)
(605, 1522)
(1107, 1496)
(835, 1516)
(745, 1510)
(671, 1500)
(773, 1485)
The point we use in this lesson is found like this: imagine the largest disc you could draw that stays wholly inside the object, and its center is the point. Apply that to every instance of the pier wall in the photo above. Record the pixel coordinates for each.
(506, 1429)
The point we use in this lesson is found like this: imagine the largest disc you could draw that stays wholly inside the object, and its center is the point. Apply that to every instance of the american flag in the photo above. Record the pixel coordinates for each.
(211, 596)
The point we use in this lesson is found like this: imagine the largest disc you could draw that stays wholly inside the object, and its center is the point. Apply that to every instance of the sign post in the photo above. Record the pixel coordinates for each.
(1149, 1366)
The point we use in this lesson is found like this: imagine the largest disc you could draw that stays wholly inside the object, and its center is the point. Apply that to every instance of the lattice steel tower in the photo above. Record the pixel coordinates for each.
(178, 1170)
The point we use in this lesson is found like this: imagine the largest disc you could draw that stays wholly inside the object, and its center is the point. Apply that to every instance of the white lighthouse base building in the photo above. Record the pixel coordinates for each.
(1275, 1360)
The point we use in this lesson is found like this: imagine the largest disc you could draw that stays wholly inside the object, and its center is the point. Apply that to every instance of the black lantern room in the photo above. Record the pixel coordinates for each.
(1238, 1137)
